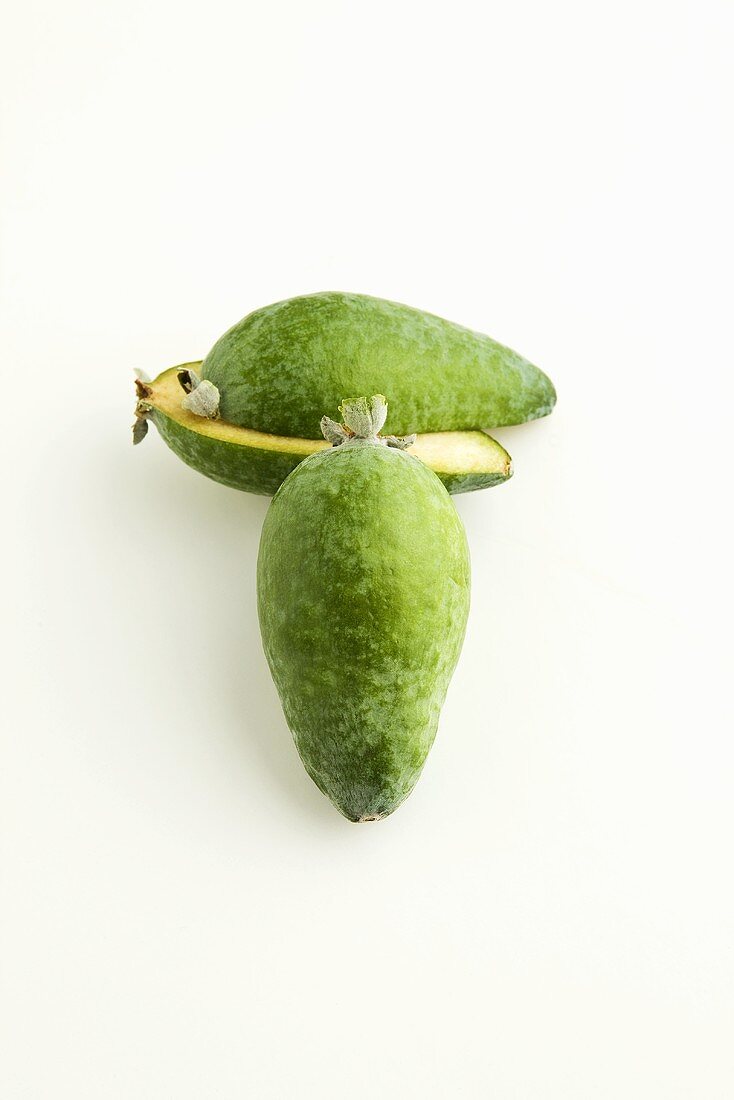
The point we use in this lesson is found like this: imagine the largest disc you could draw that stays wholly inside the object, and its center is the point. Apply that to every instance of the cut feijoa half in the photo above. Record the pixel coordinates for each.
(258, 462)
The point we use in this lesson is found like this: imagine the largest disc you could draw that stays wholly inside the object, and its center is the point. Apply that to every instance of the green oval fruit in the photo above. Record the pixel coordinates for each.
(258, 462)
(283, 366)
(363, 594)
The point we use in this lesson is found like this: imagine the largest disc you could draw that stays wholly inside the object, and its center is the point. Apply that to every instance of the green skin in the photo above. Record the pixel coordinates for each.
(254, 471)
(363, 595)
(283, 366)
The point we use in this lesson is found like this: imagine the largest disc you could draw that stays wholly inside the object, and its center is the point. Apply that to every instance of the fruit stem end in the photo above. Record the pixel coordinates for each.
(363, 419)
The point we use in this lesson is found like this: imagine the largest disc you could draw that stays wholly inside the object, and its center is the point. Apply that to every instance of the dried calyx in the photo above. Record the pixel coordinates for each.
(202, 396)
(143, 408)
(363, 419)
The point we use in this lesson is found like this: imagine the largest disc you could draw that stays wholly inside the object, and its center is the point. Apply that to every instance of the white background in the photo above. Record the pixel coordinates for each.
(551, 914)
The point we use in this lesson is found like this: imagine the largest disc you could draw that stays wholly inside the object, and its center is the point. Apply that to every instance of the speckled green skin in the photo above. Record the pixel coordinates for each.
(252, 469)
(282, 367)
(363, 595)
(469, 483)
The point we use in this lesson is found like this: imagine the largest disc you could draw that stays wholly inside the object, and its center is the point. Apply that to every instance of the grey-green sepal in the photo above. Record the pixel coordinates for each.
(400, 442)
(202, 397)
(140, 429)
(364, 416)
(334, 433)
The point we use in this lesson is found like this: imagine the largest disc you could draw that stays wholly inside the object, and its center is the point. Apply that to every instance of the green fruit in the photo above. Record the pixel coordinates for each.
(363, 594)
(258, 462)
(283, 366)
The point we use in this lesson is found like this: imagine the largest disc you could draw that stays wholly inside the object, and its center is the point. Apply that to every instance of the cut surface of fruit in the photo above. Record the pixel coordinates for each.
(258, 462)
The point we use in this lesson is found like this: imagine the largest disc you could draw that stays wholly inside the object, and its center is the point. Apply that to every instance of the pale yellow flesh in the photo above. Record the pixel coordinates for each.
(444, 452)
(460, 453)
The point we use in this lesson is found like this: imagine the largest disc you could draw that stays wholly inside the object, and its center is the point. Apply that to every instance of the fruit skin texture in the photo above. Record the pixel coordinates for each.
(363, 594)
(282, 367)
(247, 468)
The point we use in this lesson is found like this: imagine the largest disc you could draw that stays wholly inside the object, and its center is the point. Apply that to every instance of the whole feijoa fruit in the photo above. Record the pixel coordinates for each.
(363, 595)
